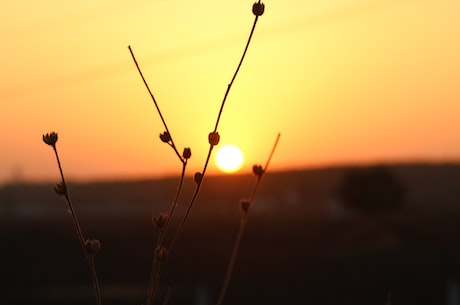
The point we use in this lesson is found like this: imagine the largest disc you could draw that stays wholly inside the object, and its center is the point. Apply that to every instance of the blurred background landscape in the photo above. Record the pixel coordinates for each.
(357, 82)
(337, 235)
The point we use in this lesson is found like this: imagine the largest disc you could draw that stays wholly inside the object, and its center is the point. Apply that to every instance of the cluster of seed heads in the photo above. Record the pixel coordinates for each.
(50, 138)
(92, 246)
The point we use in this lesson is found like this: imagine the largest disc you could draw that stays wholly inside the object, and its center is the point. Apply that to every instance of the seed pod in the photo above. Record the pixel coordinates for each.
(214, 138)
(165, 137)
(258, 170)
(160, 220)
(198, 177)
(60, 189)
(50, 138)
(161, 254)
(92, 246)
(244, 205)
(187, 153)
(258, 8)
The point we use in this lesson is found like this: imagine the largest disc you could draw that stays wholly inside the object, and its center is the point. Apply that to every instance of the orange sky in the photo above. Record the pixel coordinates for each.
(343, 81)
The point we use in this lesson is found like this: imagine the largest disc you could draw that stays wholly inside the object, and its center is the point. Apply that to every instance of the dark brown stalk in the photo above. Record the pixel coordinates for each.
(156, 273)
(211, 146)
(156, 265)
(241, 229)
(156, 105)
(81, 238)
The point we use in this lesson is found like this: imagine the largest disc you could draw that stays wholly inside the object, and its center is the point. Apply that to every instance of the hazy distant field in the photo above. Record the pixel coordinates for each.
(299, 248)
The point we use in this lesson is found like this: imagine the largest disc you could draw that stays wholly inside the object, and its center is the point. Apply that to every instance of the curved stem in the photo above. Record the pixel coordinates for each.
(192, 201)
(236, 72)
(81, 238)
(175, 202)
(198, 186)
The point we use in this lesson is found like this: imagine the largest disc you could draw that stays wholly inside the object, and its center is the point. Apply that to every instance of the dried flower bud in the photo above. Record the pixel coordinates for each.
(258, 8)
(198, 177)
(165, 137)
(258, 170)
(50, 138)
(244, 205)
(161, 254)
(187, 153)
(60, 189)
(214, 138)
(92, 246)
(160, 220)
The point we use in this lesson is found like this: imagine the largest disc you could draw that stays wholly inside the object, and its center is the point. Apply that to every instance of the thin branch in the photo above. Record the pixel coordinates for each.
(156, 272)
(156, 104)
(175, 202)
(211, 146)
(236, 72)
(242, 227)
(81, 238)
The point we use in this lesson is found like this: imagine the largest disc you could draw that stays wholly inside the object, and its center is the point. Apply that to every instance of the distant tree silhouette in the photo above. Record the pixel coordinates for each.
(371, 190)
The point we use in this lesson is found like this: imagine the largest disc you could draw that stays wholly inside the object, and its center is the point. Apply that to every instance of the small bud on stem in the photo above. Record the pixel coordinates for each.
(258, 170)
(160, 220)
(165, 137)
(50, 138)
(244, 205)
(161, 254)
(198, 177)
(187, 153)
(258, 8)
(214, 138)
(92, 246)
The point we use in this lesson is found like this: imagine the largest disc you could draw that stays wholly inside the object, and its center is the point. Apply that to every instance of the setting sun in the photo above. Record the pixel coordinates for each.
(229, 158)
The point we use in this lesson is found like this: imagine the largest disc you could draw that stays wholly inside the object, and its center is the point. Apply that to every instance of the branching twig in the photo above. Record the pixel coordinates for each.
(246, 205)
(160, 221)
(258, 9)
(170, 140)
(90, 247)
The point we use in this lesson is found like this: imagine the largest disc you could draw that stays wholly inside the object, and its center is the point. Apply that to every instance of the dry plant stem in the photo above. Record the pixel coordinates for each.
(154, 280)
(175, 202)
(156, 104)
(168, 296)
(198, 186)
(81, 238)
(156, 266)
(236, 72)
(241, 229)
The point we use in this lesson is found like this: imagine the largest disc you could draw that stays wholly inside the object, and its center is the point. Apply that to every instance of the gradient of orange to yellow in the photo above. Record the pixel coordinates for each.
(343, 81)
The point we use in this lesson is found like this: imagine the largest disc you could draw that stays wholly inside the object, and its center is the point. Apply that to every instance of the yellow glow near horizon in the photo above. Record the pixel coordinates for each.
(229, 158)
(344, 81)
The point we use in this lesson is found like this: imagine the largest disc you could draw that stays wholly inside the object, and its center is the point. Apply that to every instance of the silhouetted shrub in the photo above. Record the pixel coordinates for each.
(371, 190)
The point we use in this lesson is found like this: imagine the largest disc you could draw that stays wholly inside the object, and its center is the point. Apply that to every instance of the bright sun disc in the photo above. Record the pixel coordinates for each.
(229, 158)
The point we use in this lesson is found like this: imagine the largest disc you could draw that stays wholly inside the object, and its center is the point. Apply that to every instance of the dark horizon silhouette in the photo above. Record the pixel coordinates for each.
(303, 244)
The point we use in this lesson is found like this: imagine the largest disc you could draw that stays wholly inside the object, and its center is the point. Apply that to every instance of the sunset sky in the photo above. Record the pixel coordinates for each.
(343, 81)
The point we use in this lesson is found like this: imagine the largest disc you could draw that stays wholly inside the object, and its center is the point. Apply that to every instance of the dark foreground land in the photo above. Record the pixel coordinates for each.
(302, 244)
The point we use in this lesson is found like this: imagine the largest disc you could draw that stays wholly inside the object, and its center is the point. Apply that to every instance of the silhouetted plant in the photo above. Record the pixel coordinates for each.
(245, 206)
(163, 219)
(213, 139)
(90, 246)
